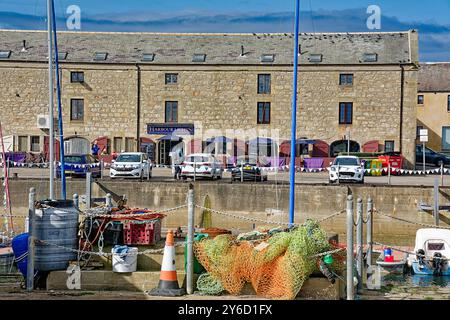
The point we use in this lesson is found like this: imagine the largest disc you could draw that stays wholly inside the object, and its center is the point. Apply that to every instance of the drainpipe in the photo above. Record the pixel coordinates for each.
(402, 98)
(138, 109)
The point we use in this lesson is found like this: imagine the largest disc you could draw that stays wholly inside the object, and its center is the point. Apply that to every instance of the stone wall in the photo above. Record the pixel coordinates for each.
(258, 200)
(217, 97)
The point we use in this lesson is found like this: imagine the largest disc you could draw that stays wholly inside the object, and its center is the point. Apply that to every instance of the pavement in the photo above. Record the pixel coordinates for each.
(165, 175)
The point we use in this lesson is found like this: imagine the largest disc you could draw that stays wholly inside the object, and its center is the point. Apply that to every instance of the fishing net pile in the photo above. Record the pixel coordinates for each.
(276, 266)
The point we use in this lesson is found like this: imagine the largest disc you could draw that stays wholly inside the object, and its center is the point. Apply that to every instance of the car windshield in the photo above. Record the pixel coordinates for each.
(197, 159)
(346, 162)
(74, 159)
(129, 158)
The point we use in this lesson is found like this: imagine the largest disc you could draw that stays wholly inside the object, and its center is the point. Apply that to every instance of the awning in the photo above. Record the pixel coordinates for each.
(221, 139)
(170, 137)
(261, 141)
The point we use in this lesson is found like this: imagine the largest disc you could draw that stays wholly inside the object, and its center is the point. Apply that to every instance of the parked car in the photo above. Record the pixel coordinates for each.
(202, 165)
(347, 168)
(131, 165)
(248, 169)
(432, 157)
(77, 165)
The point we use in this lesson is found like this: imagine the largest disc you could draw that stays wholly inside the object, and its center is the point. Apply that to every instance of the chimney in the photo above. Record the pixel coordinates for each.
(24, 46)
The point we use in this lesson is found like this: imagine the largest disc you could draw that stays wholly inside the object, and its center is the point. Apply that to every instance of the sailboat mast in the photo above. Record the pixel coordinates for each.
(7, 199)
(60, 120)
(50, 93)
(294, 120)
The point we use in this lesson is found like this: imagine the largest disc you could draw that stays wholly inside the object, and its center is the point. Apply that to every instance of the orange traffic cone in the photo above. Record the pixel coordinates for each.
(168, 281)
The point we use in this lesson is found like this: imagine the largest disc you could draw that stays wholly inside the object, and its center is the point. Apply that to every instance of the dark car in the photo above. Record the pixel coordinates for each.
(432, 157)
(249, 170)
(77, 165)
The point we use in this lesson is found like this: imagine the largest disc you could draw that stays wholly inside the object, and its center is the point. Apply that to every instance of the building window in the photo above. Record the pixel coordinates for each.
(35, 144)
(77, 109)
(445, 138)
(118, 147)
(345, 112)
(171, 78)
(418, 128)
(263, 83)
(23, 143)
(420, 99)
(171, 114)
(129, 144)
(76, 76)
(389, 146)
(263, 112)
(448, 103)
(346, 79)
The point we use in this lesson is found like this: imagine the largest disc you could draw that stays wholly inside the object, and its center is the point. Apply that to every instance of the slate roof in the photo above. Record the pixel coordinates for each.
(220, 49)
(434, 77)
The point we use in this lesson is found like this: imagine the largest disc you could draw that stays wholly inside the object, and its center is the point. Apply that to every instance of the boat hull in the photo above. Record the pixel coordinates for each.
(426, 270)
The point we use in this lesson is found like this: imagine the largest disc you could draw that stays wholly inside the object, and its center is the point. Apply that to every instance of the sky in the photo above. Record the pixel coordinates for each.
(431, 18)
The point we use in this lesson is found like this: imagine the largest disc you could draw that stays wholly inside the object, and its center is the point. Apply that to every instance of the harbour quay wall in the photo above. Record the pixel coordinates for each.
(268, 202)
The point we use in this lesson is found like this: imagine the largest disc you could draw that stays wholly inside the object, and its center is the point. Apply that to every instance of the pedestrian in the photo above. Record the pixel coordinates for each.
(177, 161)
(95, 149)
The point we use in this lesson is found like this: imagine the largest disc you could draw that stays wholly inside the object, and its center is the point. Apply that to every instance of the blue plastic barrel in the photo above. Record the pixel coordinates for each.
(387, 252)
(20, 248)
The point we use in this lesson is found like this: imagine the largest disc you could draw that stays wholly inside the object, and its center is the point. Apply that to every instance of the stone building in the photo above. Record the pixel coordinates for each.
(433, 104)
(133, 88)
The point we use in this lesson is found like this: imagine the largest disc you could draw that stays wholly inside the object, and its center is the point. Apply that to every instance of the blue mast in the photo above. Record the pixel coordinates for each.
(294, 120)
(60, 120)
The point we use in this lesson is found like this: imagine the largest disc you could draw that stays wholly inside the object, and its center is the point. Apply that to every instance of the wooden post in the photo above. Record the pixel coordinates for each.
(350, 294)
(31, 239)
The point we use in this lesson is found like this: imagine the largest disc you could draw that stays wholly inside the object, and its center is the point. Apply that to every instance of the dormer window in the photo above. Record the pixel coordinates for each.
(100, 56)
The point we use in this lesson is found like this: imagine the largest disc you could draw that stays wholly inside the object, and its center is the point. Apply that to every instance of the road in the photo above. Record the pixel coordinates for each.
(165, 175)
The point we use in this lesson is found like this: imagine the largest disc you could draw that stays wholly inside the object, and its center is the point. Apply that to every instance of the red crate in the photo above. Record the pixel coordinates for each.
(143, 233)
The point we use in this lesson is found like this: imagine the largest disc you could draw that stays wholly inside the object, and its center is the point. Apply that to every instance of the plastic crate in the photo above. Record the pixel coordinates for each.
(112, 235)
(142, 233)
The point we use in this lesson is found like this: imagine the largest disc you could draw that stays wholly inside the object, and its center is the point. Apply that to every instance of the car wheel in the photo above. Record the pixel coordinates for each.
(266, 178)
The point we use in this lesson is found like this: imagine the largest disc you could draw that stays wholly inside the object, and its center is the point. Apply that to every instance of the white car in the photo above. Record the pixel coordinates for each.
(131, 165)
(201, 165)
(346, 168)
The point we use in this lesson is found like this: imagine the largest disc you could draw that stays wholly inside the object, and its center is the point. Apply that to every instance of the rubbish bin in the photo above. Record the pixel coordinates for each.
(198, 268)
(367, 166)
(376, 167)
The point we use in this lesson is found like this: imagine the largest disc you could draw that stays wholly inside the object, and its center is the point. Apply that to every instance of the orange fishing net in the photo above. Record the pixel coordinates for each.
(276, 267)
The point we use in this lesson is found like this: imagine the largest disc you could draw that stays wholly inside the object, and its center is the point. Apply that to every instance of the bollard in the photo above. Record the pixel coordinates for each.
(88, 190)
(190, 242)
(108, 201)
(195, 169)
(350, 295)
(102, 166)
(359, 243)
(369, 232)
(389, 173)
(30, 261)
(436, 201)
(76, 201)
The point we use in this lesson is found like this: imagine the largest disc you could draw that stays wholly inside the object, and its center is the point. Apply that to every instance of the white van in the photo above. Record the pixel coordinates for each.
(202, 165)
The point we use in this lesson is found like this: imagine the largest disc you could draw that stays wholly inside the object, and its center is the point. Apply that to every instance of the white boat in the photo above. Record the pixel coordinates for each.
(396, 266)
(432, 251)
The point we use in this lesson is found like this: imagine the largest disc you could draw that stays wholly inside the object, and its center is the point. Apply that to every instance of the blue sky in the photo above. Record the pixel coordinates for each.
(432, 18)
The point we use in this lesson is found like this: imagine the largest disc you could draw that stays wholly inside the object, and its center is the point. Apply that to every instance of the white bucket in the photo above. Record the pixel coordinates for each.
(125, 263)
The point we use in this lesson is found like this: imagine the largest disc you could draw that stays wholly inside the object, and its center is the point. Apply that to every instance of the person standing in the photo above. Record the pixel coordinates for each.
(95, 149)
